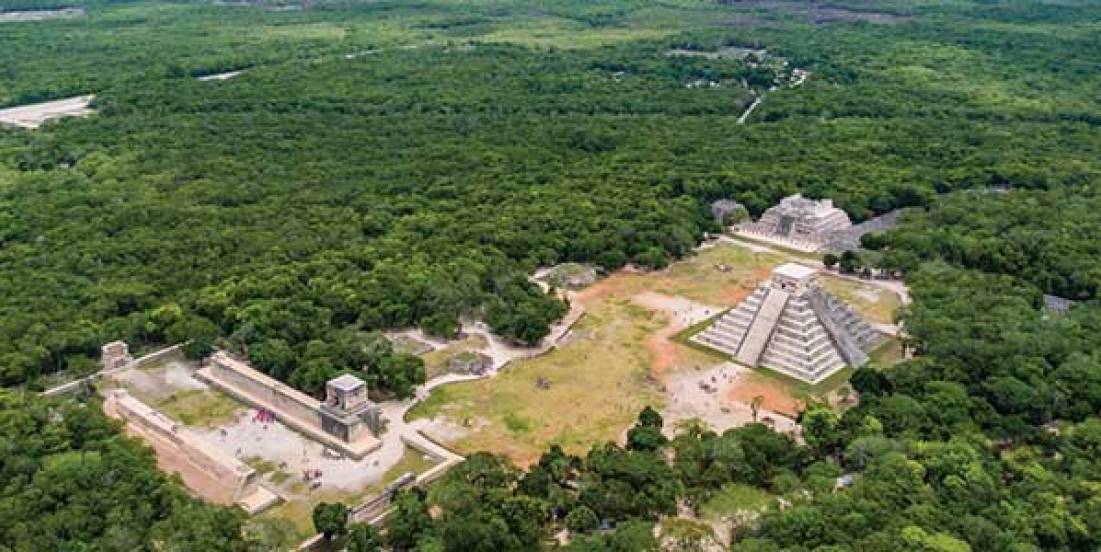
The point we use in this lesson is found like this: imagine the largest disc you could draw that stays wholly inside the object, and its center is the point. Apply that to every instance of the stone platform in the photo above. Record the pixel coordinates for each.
(291, 407)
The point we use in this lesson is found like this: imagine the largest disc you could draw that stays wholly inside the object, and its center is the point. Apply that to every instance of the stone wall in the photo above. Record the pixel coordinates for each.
(293, 408)
(277, 395)
(206, 470)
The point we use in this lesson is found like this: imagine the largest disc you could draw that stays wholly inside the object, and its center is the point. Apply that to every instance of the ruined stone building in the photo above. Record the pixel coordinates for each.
(115, 355)
(804, 222)
(791, 325)
(206, 470)
(347, 421)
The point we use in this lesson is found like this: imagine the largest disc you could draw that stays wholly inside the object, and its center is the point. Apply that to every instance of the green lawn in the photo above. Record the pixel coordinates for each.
(199, 407)
(888, 353)
(733, 498)
(876, 305)
(510, 414)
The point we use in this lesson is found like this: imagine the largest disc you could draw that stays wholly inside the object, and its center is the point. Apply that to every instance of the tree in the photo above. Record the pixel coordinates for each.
(196, 333)
(830, 260)
(73, 482)
(649, 417)
(582, 520)
(848, 262)
(646, 435)
(755, 406)
(820, 430)
(645, 438)
(408, 522)
(330, 518)
(631, 537)
(363, 537)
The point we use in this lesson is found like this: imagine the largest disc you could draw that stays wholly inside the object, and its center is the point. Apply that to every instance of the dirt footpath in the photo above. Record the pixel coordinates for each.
(681, 313)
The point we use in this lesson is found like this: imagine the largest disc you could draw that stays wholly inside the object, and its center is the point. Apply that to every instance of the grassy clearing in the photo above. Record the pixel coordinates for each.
(734, 498)
(700, 279)
(875, 304)
(554, 32)
(888, 353)
(611, 354)
(198, 407)
(511, 415)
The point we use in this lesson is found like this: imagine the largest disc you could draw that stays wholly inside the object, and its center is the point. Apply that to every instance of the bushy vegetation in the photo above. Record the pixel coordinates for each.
(72, 481)
(291, 212)
(858, 483)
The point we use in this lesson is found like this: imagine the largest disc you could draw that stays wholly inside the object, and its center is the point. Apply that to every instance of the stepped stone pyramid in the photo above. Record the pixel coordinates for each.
(791, 325)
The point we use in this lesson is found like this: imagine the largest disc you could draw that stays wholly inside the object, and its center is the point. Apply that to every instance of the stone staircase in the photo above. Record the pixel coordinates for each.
(807, 334)
(727, 333)
(757, 337)
(801, 346)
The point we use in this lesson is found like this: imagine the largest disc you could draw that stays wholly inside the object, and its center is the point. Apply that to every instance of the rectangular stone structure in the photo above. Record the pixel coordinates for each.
(330, 425)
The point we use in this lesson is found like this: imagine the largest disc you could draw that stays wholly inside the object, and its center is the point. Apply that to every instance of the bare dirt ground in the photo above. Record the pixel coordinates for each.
(32, 116)
(723, 404)
(778, 397)
(39, 15)
(155, 384)
(291, 452)
(681, 314)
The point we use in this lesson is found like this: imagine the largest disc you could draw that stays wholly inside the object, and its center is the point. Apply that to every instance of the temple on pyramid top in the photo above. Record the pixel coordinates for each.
(791, 325)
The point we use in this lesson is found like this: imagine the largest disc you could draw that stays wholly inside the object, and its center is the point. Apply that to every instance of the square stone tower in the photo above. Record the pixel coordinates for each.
(347, 413)
(347, 392)
(115, 354)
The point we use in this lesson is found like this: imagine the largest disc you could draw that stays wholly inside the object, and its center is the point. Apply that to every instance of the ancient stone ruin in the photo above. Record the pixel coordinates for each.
(470, 362)
(344, 422)
(115, 354)
(791, 325)
(799, 222)
(728, 211)
(210, 473)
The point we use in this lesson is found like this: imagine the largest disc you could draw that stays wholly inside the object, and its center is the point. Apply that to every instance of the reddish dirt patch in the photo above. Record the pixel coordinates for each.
(617, 284)
(663, 351)
(778, 397)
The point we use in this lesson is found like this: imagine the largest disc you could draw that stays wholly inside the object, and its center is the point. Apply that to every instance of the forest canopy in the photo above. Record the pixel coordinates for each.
(389, 164)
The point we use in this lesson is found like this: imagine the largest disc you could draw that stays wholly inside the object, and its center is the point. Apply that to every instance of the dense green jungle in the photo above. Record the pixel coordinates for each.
(387, 164)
